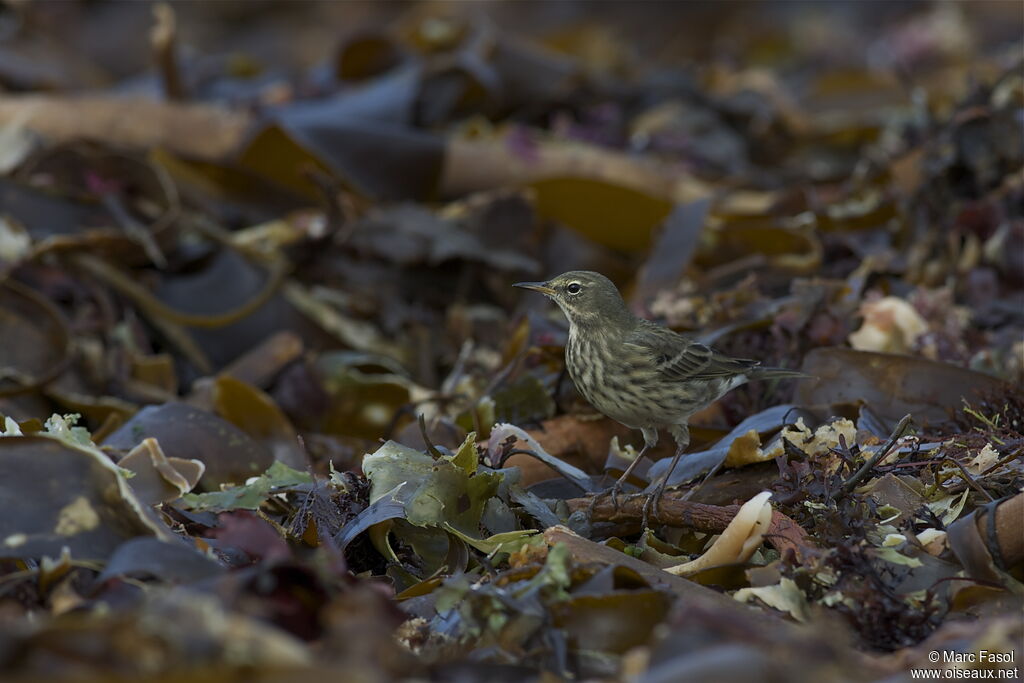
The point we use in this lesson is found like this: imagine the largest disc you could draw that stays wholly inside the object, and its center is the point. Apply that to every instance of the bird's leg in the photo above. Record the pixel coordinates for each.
(651, 504)
(650, 441)
(616, 488)
(682, 437)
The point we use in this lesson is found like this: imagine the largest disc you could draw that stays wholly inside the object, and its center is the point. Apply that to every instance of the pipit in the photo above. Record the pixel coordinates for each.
(637, 372)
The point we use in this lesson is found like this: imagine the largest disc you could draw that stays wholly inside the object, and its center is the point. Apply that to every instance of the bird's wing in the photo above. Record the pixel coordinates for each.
(680, 358)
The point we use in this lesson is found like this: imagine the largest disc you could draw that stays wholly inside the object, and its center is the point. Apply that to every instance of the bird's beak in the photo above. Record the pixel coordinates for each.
(541, 287)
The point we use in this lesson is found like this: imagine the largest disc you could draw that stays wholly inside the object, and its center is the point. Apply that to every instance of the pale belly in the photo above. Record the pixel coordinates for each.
(635, 395)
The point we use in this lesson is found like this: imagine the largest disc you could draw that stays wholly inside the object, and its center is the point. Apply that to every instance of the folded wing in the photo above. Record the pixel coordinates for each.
(678, 358)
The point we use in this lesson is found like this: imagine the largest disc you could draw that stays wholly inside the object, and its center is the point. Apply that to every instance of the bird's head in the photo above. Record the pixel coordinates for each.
(586, 298)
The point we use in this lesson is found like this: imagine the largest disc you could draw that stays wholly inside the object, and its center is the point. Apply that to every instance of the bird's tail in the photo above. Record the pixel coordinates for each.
(776, 373)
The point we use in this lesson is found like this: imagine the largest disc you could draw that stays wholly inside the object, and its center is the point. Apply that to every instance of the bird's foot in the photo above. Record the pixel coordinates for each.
(614, 492)
(651, 505)
(593, 503)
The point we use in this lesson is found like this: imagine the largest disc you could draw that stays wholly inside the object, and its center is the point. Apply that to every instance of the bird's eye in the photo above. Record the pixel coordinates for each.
(573, 288)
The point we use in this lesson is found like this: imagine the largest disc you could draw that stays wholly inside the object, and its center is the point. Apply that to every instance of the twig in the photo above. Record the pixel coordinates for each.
(134, 229)
(968, 478)
(431, 448)
(860, 474)
(916, 463)
(783, 534)
(164, 40)
(844, 451)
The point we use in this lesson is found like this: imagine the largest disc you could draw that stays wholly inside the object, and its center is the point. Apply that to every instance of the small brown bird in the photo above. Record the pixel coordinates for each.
(637, 372)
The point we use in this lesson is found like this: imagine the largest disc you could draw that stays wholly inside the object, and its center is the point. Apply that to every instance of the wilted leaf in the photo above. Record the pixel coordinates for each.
(363, 402)
(676, 243)
(252, 494)
(157, 478)
(784, 596)
(409, 235)
(901, 494)
(948, 507)
(255, 413)
(983, 461)
(141, 122)
(506, 542)
(384, 508)
(379, 158)
(365, 55)
(526, 400)
(739, 540)
(892, 385)
(890, 554)
(890, 325)
(247, 532)
(501, 432)
(534, 506)
(612, 622)
(184, 432)
(616, 216)
(166, 625)
(235, 299)
(173, 561)
(394, 464)
(37, 345)
(822, 439)
(465, 458)
(437, 491)
(15, 243)
(607, 196)
(54, 494)
(796, 249)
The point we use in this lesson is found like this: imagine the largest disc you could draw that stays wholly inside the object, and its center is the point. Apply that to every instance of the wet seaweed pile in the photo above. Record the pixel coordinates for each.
(272, 409)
